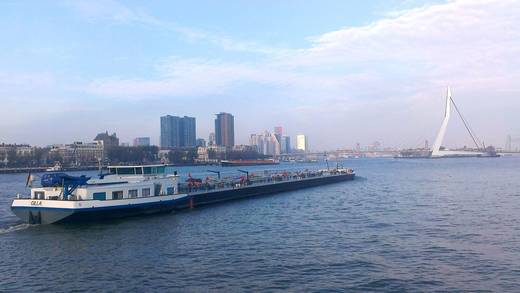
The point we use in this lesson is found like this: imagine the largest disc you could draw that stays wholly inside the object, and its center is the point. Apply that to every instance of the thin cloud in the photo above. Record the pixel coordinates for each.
(402, 62)
(389, 74)
(115, 11)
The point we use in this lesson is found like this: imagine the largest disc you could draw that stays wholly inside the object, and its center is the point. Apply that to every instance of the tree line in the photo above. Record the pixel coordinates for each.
(43, 157)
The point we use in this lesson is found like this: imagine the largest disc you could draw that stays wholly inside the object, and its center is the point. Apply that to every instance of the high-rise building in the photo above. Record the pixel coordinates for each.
(225, 130)
(169, 131)
(508, 143)
(285, 145)
(265, 143)
(201, 142)
(188, 132)
(178, 132)
(211, 138)
(302, 143)
(141, 141)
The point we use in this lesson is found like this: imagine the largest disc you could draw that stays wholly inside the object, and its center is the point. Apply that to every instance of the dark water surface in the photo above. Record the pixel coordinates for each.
(406, 225)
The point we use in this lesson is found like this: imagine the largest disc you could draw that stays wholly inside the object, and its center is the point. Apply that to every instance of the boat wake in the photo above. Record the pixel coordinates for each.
(14, 228)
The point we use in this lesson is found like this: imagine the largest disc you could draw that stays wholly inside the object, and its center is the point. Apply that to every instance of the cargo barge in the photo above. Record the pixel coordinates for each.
(264, 186)
(136, 190)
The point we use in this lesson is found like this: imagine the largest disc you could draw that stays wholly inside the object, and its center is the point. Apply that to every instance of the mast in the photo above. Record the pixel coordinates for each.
(442, 131)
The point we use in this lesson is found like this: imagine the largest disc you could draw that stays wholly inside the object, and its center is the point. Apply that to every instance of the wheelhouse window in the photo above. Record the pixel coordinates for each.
(170, 191)
(117, 194)
(137, 170)
(132, 193)
(145, 192)
(99, 195)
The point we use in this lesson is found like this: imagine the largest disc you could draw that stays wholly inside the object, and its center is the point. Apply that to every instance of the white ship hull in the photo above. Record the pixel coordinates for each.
(35, 211)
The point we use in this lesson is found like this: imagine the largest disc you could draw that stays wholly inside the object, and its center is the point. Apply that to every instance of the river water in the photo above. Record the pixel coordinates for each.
(402, 225)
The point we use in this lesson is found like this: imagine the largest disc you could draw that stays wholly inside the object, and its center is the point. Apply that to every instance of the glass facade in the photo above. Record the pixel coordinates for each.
(225, 130)
(178, 131)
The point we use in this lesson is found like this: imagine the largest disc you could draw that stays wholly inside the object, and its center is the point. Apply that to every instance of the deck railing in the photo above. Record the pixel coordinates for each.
(245, 181)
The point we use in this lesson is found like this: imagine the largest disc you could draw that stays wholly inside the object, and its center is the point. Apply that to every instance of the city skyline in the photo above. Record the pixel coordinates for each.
(322, 71)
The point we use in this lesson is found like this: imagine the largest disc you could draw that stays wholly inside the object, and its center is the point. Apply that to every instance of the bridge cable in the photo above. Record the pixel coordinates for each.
(468, 128)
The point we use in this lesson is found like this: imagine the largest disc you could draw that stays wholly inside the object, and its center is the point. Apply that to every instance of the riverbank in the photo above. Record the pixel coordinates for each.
(85, 168)
(43, 169)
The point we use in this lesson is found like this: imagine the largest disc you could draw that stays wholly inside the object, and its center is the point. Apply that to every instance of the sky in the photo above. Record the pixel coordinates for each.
(342, 72)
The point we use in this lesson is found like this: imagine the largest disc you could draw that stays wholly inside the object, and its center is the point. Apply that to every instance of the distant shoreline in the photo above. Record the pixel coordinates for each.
(43, 169)
(82, 168)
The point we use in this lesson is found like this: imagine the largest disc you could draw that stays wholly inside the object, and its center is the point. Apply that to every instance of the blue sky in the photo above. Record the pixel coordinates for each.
(339, 71)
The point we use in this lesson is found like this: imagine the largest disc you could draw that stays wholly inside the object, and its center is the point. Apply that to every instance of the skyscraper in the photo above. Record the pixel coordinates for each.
(285, 145)
(225, 130)
(265, 143)
(302, 143)
(201, 142)
(211, 138)
(169, 131)
(188, 132)
(178, 132)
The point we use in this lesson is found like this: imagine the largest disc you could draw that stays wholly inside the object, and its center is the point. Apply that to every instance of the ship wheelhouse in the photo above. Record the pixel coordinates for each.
(145, 170)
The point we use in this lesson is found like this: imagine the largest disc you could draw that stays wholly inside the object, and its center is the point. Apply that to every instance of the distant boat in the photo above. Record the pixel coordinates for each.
(307, 161)
(56, 167)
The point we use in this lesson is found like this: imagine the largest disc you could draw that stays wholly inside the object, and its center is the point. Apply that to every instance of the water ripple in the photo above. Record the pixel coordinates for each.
(406, 225)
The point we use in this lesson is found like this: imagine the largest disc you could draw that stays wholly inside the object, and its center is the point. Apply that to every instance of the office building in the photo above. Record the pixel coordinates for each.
(178, 131)
(170, 131)
(225, 130)
(265, 143)
(302, 143)
(188, 132)
(201, 142)
(79, 152)
(211, 138)
(285, 145)
(141, 141)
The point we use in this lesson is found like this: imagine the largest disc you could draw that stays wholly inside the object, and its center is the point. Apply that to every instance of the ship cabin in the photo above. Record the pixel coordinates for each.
(121, 182)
